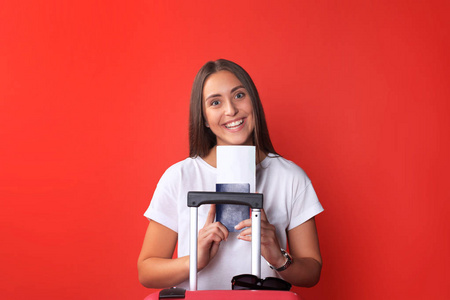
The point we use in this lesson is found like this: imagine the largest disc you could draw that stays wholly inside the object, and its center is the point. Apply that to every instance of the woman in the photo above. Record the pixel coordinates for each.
(225, 109)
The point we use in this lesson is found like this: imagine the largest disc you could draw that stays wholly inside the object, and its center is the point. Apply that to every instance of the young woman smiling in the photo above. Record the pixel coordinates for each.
(225, 109)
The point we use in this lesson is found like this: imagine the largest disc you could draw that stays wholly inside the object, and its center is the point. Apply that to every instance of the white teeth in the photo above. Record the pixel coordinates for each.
(234, 124)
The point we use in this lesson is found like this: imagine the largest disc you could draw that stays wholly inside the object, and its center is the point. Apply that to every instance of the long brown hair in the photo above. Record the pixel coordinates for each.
(201, 138)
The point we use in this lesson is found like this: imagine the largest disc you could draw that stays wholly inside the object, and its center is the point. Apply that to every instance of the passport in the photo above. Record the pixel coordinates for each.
(232, 214)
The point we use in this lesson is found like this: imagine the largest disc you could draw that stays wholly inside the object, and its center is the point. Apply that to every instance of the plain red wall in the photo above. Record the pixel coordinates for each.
(94, 106)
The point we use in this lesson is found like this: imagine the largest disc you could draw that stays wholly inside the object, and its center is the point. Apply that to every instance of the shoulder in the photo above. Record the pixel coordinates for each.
(184, 164)
(280, 169)
(181, 166)
(186, 167)
(283, 165)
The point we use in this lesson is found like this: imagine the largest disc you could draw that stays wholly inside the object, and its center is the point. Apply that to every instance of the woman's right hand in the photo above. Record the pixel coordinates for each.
(209, 239)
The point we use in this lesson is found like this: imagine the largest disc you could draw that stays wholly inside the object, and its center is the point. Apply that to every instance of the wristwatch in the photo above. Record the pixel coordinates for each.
(286, 265)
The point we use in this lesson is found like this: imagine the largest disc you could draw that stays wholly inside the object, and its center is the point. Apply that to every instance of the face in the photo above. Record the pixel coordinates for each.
(228, 109)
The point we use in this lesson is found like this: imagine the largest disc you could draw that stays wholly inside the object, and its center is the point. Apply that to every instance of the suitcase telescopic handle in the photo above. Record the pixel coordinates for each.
(253, 200)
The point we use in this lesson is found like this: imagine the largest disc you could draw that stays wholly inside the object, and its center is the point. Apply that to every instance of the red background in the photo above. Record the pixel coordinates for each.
(94, 107)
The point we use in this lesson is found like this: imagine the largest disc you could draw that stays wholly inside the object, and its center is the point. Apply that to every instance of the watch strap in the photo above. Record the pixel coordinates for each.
(286, 264)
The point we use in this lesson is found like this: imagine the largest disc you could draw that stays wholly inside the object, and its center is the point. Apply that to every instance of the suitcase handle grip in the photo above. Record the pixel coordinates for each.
(254, 200)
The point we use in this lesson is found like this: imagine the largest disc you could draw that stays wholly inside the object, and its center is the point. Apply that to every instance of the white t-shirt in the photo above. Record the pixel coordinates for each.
(289, 200)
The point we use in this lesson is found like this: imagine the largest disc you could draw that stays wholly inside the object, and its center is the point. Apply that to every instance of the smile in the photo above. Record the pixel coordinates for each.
(234, 124)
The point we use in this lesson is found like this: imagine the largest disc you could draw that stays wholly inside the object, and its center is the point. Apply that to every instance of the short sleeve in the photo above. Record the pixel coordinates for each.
(305, 206)
(163, 206)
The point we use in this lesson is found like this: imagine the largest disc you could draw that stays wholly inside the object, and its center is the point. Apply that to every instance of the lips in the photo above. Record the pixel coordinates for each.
(234, 124)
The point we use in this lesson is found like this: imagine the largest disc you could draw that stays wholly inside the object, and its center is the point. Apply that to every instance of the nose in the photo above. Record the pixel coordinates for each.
(230, 108)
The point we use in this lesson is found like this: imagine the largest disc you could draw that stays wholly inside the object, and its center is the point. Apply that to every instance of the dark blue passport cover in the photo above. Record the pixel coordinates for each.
(231, 214)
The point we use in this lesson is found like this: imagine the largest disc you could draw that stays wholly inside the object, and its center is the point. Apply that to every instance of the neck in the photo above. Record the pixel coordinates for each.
(211, 157)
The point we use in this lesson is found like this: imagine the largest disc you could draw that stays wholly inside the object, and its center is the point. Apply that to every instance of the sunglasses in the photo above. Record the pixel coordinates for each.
(252, 282)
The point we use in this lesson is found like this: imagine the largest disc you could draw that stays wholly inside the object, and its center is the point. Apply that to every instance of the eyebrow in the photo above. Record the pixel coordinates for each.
(232, 91)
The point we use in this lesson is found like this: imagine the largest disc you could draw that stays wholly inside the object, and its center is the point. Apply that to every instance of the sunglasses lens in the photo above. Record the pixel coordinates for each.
(239, 287)
(244, 282)
(276, 284)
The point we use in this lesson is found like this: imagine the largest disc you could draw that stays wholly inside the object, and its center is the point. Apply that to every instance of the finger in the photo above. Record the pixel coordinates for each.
(224, 230)
(245, 235)
(211, 215)
(207, 242)
(243, 224)
(247, 238)
(215, 238)
(265, 232)
(216, 229)
(248, 222)
(214, 249)
(245, 232)
(264, 216)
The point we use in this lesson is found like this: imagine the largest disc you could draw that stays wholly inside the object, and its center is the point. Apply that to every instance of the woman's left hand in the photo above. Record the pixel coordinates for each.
(270, 247)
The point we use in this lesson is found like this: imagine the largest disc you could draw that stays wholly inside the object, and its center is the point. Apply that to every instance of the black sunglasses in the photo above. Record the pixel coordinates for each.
(252, 282)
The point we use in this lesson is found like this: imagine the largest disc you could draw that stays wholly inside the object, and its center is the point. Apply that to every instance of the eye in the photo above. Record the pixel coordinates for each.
(239, 95)
(214, 102)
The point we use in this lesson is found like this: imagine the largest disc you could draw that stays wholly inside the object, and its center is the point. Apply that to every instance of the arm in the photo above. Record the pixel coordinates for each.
(156, 267)
(304, 249)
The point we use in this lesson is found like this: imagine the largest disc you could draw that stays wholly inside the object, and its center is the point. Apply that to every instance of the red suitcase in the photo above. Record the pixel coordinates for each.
(255, 201)
(235, 295)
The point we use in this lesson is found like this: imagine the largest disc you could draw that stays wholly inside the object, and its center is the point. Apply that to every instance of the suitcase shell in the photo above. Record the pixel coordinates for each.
(234, 295)
(255, 201)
